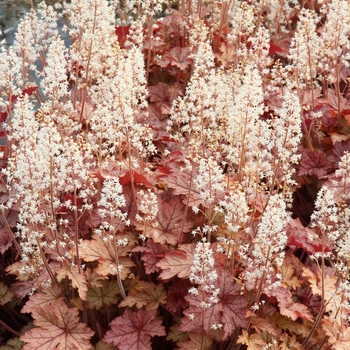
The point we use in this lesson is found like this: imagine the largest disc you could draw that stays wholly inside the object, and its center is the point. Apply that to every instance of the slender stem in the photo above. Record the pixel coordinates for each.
(9, 328)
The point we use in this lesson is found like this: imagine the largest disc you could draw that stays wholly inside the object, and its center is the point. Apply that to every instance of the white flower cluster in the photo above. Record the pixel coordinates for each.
(267, 254)
(204, 275)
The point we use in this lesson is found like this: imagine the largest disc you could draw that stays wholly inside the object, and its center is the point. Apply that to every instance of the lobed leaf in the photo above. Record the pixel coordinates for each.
(133, 330)
(145, 294)
(58, 328)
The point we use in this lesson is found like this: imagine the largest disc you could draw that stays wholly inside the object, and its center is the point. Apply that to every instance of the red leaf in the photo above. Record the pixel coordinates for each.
(29, 91)
(163, 169)
(133, 330)
(303, 237)
(122, 32)
(314, 163)
(275, 49)
(138, 178)
(58, 328)
(70, 197)
(3, 116)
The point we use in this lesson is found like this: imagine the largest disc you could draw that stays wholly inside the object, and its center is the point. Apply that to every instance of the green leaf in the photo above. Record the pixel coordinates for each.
(103, 296)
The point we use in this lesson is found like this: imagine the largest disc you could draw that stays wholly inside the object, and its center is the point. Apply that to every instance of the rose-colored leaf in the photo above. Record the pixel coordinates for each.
(177, 262)
(29, 91)
(105, 254)
(314, 163)
(179, 57)
(171, 223)
(5, 236)
(45, 298)
(58, 328)
(230, 310)
(338, 337)
(5, 241)
(122, 32)
(133, 330)
(327, 282)
(78, 279)
(288, 307)
(163, 95)
(176, 295)
(145, 294)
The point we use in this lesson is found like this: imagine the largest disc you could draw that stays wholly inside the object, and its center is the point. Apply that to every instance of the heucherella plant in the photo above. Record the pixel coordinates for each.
(176, 175)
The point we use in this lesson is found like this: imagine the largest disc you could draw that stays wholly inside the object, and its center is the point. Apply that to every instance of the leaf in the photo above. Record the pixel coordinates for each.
(289, 280)
(163, 95)
(13, 344)
(197, 341)
(171, 223)
(133, 330)
(105, 295)
(314, 163)
(288, 307)
(78, 279)
(58, 328)
(152, 254)
(145, 294)
(253, 341)
(329, 284)
(5, 236)
(122, 32)
(177, 262)
(182, 181)
(230, 310)
(175, 334)
(176, 295)
(101, 345)
(287, 324)
(137, 178)
(45, 298)
(105, 254)
(339, 337)
(5, 294)
(179, 57)
(261, 324)
(276, 49)
(338, 137)
(290, 343)
(303, 237)
(93, 278)
(5, 241)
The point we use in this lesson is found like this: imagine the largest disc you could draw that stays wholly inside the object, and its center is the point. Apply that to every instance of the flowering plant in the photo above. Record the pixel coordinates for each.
(175, 175)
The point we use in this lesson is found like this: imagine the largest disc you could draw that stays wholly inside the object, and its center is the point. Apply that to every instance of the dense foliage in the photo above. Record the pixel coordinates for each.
(177, 181)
